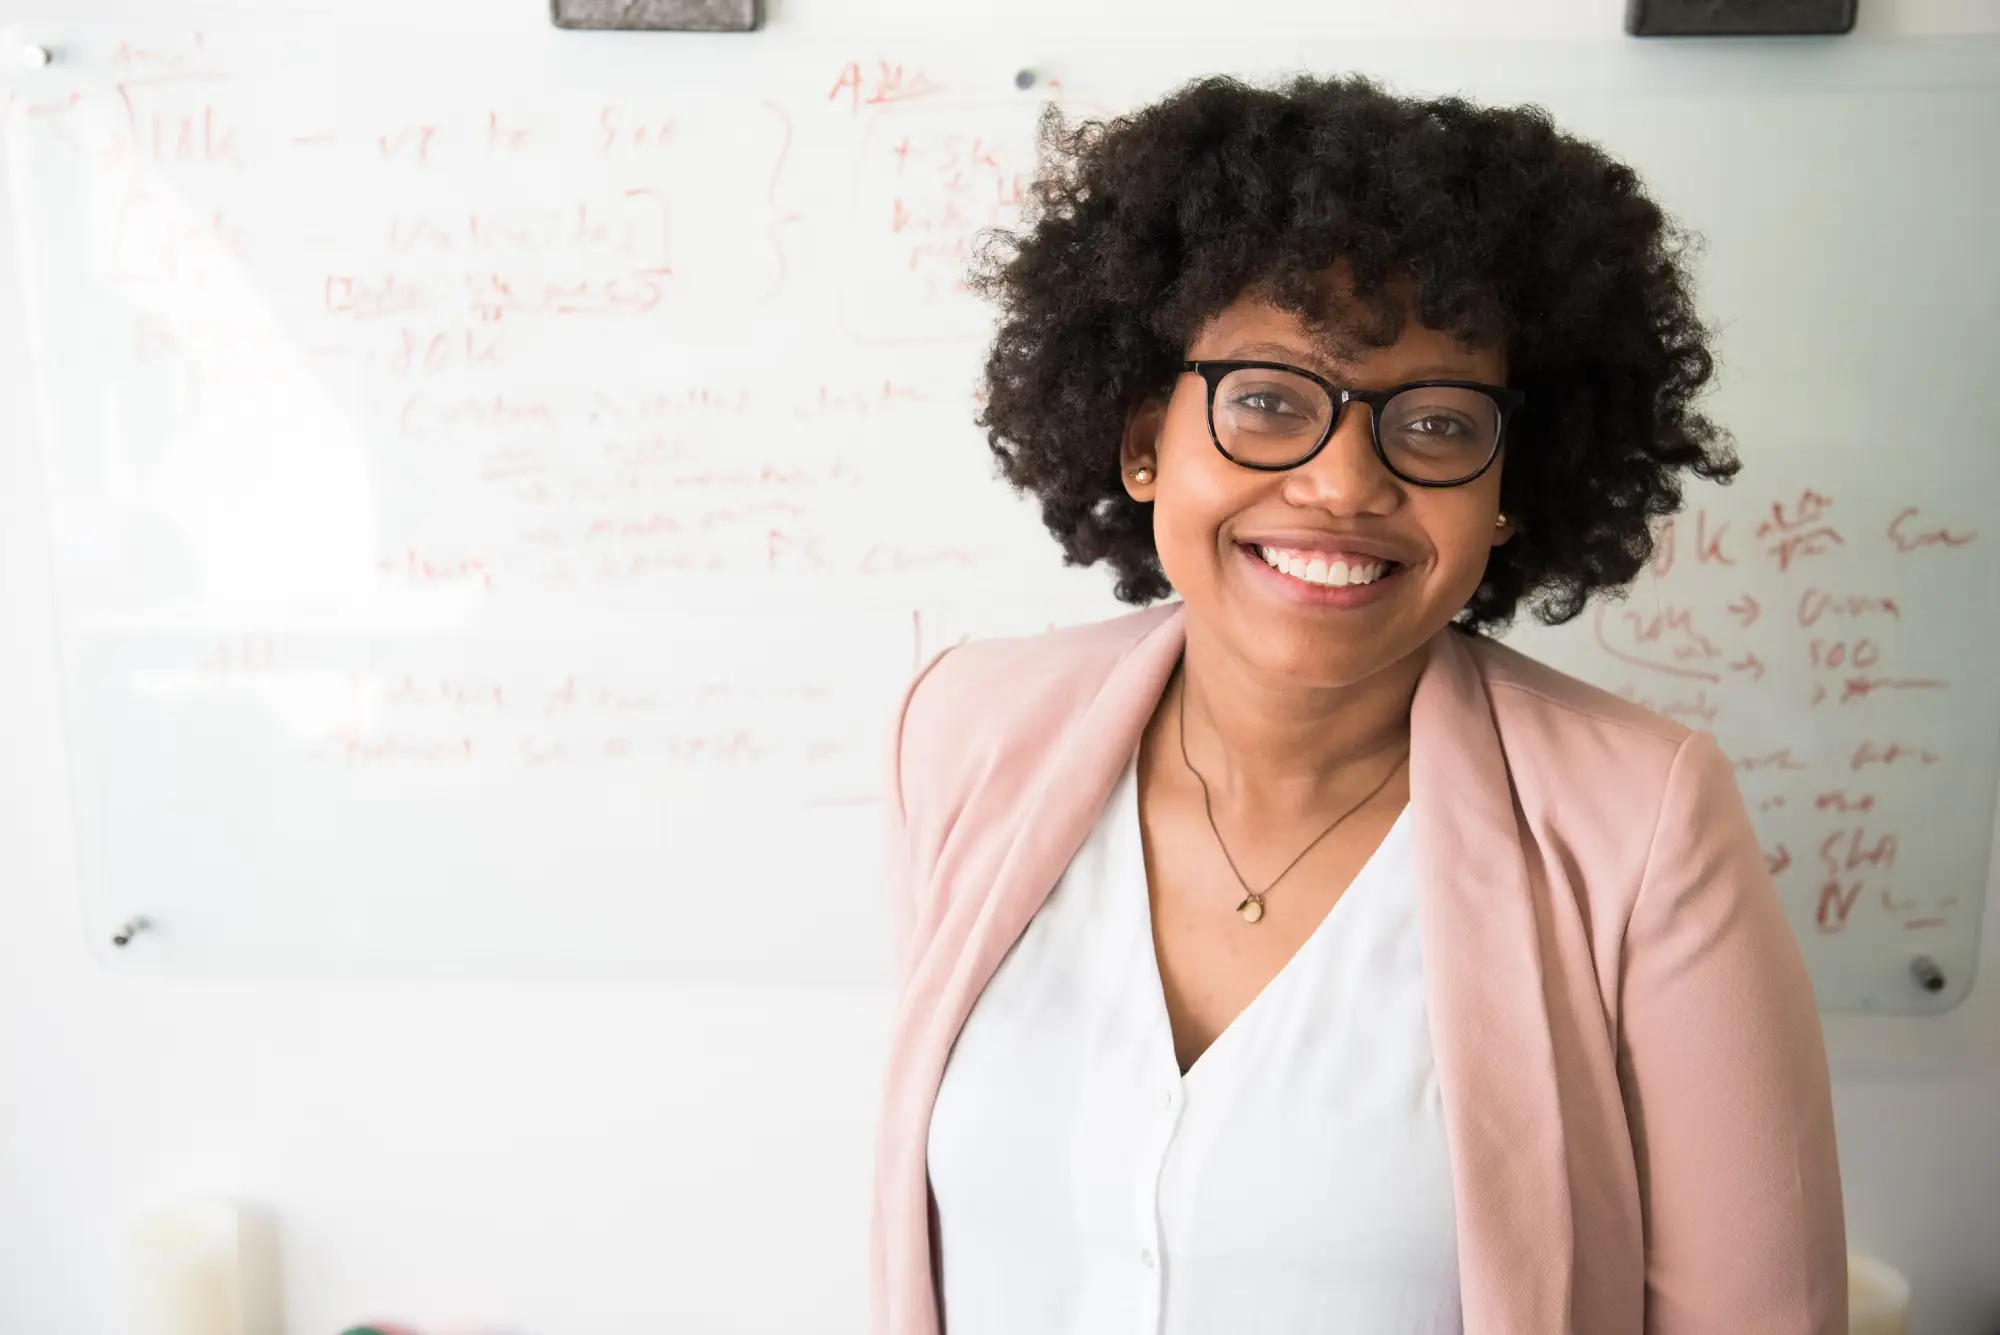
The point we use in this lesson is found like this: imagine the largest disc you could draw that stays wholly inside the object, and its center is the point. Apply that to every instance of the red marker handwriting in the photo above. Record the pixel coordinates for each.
(410, 143)
(1862, 653)
(1796, 531)
(1860, 688)
(1808, 510)
(504, 138)
(1814, 604)
(1781, 759)
(250, 655)
(130, 55)
(365, 297)
(887, 559)
(1675, 658)
(1895, 753)
(1844, 802)
(885, 83)
(1835, 903)
(781, 217)
(197, 136)
(1796, 546)
(1909, 534)
(423, 414)
(355, 750)
(1708, 549)
(619, 130)
(422, 568)
(419, 350)
(454, 692)
(1849, 850)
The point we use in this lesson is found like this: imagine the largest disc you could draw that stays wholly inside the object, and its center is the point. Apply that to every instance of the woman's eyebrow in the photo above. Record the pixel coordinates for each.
(1296, 355)
(1335, 370)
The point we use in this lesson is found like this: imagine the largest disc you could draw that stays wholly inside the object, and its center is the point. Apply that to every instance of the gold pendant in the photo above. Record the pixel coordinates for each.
(1251, 909)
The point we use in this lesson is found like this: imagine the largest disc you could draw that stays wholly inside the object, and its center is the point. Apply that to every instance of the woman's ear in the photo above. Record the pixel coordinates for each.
(1139, 450)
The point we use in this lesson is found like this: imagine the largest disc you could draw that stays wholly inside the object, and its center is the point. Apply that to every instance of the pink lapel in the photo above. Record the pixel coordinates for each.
(977, 931)
(1489, 1017)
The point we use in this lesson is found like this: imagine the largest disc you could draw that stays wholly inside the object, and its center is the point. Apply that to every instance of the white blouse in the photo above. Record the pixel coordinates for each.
(1293, 1182)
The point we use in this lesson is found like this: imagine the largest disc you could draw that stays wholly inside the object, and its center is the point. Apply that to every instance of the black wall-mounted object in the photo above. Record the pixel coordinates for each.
(659, 15)
(1739, 18)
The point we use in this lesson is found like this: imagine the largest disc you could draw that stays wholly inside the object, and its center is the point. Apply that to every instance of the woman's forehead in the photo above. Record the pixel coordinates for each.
(1257, 329)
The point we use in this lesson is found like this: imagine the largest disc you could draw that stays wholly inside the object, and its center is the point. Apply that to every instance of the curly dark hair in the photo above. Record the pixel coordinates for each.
(1488, 222)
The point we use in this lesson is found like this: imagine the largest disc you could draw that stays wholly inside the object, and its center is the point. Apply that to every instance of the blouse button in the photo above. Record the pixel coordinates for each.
(1146, 1258)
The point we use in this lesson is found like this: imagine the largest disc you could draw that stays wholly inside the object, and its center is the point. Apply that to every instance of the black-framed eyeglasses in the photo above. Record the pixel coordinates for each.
(1430, 433)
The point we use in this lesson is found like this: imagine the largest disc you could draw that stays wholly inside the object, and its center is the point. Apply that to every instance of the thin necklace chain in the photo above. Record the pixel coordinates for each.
(1252, 907)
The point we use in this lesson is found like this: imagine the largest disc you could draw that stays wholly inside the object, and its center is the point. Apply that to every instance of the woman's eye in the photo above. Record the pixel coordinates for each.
(1266, 402)
(1433, 426)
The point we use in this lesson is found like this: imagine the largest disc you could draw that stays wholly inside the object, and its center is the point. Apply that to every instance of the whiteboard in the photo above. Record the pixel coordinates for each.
(498, 485)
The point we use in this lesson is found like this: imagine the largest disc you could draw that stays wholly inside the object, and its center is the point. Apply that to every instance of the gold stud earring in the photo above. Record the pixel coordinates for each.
(1142, 475)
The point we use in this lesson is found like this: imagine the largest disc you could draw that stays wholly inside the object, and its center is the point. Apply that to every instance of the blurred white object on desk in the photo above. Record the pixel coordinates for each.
(184, 1270)
(1878, 1298)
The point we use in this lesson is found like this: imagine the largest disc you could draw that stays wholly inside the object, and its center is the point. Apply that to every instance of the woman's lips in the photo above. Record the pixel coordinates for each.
(1329, 569)
(1308, 575)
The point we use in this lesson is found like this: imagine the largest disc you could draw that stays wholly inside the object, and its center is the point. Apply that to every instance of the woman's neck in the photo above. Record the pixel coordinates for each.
(1280, 746)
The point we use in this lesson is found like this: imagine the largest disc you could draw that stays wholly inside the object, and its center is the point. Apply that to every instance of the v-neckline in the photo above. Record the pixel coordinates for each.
(1130, 830)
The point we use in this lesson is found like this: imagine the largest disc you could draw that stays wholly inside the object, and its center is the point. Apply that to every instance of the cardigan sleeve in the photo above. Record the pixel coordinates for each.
(1724, 1074)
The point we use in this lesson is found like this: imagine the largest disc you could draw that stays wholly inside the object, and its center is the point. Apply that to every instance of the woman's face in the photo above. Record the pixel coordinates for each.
(1224, 531)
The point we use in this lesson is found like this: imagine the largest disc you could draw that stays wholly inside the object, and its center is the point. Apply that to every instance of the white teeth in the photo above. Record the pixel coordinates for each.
(1318, 570)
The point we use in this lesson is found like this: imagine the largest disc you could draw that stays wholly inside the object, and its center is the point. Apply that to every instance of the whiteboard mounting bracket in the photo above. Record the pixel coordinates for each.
(659, 15)
(1739, 18)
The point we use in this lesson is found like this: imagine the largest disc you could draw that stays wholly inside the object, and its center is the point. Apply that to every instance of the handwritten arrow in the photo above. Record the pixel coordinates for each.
(1751, 664)
(1746, 607)
(1779, 860)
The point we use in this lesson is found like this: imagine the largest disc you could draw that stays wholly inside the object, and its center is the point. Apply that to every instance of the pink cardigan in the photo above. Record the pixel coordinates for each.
(1633, 1077)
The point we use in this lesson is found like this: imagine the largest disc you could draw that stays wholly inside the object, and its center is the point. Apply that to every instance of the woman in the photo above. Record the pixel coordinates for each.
(1293, 959)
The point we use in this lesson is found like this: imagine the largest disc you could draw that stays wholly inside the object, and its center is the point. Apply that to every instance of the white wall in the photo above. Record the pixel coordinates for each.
(599, 1160)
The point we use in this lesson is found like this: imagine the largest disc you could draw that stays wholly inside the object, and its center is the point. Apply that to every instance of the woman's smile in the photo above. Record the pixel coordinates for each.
(1323, 578)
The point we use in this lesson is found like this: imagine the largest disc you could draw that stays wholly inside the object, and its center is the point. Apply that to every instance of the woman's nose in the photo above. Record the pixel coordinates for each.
(1346, 476)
